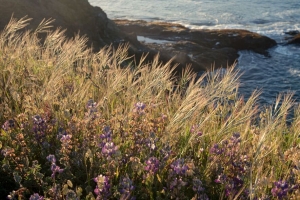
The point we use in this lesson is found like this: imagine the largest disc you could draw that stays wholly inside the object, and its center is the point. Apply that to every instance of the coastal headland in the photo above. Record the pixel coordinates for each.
(201, 48)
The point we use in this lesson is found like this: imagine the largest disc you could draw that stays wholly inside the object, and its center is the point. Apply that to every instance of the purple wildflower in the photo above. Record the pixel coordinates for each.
(280, 190)
(228, 153)
(39, 127)
(106, 136)
(152, 165)
(36, 196)
(179, 167)
(51, 158)
(151, 141)
(126, 186)
(195, 130)
(166, 152)
(221, 178)
(109, 149)
(197, 186)
(139, 107)
(103, 187)
(91, 104)
(177, 183)
(65, 140)
(216, 149)
(8, 124)
(54, 168)
(91, 107)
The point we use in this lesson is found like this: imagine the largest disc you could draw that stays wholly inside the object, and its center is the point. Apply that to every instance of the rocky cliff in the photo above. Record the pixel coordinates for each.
(73, 15)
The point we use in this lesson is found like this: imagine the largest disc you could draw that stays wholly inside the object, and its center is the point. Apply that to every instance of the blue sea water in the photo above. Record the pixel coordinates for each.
(273, 75)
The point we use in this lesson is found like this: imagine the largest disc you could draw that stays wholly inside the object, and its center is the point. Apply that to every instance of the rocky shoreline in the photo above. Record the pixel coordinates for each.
(201, 48)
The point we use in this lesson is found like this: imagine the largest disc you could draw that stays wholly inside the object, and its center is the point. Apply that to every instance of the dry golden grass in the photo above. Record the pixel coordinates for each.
(60, 75)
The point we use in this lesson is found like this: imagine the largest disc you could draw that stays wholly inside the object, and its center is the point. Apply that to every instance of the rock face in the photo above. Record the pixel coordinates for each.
(73, 15)
(295, 39)
(201, 48)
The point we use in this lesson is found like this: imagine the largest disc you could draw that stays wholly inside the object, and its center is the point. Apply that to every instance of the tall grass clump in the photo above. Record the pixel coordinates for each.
(83, 125)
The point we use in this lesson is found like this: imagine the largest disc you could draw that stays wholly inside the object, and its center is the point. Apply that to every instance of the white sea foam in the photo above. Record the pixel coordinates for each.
(294, 72)
(285, 50)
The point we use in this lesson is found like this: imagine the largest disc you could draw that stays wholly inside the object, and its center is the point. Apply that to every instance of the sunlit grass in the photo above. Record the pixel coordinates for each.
(83, 125)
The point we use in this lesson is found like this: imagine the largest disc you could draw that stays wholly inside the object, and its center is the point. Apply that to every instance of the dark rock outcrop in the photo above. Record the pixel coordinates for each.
(202, 48)
(77, 16)
(295, 39)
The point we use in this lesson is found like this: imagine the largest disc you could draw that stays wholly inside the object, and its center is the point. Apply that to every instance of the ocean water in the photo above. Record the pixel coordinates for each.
(279, 73)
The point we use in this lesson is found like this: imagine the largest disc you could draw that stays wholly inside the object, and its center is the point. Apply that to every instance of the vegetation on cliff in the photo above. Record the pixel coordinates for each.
(84, 125)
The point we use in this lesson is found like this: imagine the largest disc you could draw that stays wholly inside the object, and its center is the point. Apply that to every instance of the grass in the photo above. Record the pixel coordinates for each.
(83, 125)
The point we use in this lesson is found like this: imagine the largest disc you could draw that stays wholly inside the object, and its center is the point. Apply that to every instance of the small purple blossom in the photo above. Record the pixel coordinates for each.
(107, 133)
(8, 124)
(197, 186)
(195, 130)
(36, 196)
(165, 152)
(91, 107)
(228, 153)
(280, 190)
(54, 168)
(139, 107)
(221, 179)
(179, 167)
(126, 187)
(51, 158)
(39, 127)
(152, 165)
(216, 149)
(151, 141)
(177, 183)
(91, 104)
(235, 138)
(106, 136)
(103, 187)
(66, 140)
(38, 119)
(109, 149)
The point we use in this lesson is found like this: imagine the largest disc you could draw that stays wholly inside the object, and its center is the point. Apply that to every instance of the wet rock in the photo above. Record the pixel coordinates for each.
(295, 39)
(203, 48)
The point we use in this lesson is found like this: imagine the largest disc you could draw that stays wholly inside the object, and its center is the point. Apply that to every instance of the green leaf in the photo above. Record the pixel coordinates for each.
(0, 145)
